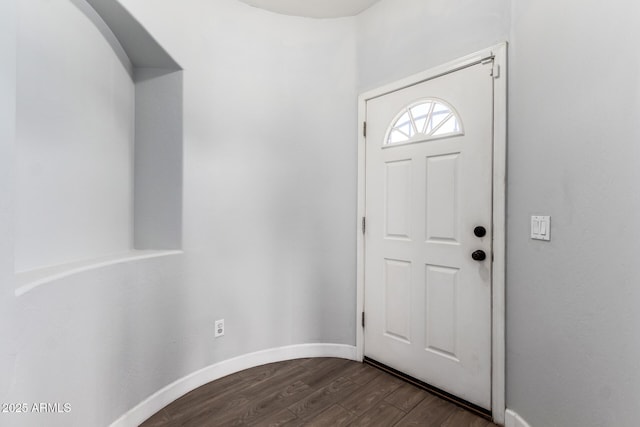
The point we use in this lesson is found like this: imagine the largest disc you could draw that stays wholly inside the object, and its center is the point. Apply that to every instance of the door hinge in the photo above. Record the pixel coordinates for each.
(364, 129)
(363, 319)
(364, 224)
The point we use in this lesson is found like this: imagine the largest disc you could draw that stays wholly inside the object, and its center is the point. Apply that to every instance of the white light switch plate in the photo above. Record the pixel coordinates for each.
(541, 227)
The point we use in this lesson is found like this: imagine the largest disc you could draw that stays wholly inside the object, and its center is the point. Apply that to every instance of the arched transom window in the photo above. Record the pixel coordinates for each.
(422, 120)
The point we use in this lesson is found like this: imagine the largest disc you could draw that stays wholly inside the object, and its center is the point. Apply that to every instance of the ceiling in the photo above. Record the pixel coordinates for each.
(313, 8)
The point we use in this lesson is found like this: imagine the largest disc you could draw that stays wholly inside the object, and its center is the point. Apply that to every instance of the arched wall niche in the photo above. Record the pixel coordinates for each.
(99, 151)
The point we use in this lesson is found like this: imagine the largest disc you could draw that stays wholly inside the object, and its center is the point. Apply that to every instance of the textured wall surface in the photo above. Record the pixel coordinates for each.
(397, 38)
(572, 303)
(269, 208)
(158, 162)
(269, 190)
(8, 325)
(269, 205)
(74, 139)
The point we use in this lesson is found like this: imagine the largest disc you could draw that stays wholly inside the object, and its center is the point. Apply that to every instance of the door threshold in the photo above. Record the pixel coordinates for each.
(484, 413)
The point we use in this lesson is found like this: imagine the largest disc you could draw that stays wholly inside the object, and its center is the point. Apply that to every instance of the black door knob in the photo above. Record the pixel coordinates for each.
(480, 231)
(479, 255)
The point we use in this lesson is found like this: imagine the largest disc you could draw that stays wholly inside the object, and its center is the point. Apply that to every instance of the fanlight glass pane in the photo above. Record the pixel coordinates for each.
(397, 137)
(451, 125)
(426, 119)
(405, 126)
(420, 115)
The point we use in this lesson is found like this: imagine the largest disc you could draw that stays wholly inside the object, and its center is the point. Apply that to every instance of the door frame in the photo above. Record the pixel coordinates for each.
(499, 55)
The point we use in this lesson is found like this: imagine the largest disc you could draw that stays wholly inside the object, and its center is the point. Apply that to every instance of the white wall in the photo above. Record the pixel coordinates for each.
(100, 340)
(269, 214)
(572, 308)
(269, 207)
(75, 139)
(157, 167)
(397, 38)
(269, 201)
(8, 325)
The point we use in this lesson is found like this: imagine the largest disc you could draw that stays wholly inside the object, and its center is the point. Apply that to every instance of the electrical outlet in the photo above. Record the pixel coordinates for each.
(219, 328)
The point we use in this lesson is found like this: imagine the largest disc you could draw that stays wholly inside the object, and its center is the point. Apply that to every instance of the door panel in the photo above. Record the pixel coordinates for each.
(398, 299)
(441, 310)
(427, 302)
(442, 203)
(398, 198)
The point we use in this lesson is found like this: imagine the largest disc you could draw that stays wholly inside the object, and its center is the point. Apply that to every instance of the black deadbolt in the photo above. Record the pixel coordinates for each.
(479, 255)
(480, 231)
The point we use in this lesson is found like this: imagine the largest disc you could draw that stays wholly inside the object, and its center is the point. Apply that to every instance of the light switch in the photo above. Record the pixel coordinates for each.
(541, 227)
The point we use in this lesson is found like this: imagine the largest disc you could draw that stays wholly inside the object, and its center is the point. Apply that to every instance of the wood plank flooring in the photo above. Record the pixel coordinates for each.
(312, 392)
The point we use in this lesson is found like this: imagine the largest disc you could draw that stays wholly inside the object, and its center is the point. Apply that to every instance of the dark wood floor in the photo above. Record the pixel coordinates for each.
(312, 392)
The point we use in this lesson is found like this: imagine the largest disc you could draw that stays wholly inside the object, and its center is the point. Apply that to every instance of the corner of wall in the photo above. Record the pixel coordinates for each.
(158, 159)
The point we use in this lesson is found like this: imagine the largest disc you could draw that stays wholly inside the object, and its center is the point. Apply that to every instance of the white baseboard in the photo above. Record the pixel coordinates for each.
(512, 419)
(175, 390)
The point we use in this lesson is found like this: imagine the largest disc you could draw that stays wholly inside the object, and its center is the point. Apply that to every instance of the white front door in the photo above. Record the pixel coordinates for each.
(428, 190)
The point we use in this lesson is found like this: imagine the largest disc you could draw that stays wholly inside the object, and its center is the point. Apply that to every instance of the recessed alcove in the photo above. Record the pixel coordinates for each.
(99, 142)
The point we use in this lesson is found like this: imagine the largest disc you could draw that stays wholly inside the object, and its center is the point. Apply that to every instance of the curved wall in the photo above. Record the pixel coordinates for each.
(75, 131)
(269, 207)
(102, 341)
(270, 156)
(270, 105)
(269, 214)
(87, 339)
